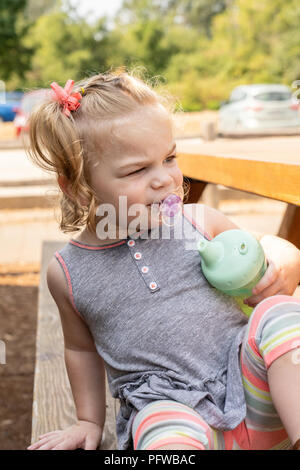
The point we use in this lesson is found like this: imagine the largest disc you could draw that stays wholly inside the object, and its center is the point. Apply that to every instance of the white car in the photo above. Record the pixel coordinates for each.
(259, 107)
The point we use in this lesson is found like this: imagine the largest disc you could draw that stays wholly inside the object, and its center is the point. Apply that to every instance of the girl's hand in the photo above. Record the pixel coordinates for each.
(84, 435)
(283, 273)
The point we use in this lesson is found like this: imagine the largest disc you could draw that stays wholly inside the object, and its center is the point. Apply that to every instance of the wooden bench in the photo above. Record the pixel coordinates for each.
(53, 406)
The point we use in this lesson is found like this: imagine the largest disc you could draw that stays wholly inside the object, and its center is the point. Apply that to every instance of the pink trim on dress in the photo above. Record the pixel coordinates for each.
(96, 247)
(192, 221)
(65, 269)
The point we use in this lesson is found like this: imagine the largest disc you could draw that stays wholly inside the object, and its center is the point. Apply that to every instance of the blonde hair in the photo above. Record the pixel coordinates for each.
(64, 145)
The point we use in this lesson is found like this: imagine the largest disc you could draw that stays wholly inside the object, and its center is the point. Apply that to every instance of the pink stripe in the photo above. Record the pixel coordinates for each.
(287, 346)
(253, 346)
(63, 264)
(228, 440)
(82, 245)
(241, 436)
(176, 440)
(192, 221)
(260, 310)
(257, 382)
(264, 440)
(264, 305)
(161, 415)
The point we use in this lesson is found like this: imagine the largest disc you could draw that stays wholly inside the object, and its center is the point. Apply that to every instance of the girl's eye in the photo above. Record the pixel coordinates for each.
(171, 158)
(168, 160)
(136, 171)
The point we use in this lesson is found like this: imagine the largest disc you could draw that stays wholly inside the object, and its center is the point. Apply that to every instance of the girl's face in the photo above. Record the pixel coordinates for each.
(139, 161)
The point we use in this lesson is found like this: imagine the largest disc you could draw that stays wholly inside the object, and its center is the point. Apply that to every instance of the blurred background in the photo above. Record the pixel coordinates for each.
(201, 49)
(233, 67)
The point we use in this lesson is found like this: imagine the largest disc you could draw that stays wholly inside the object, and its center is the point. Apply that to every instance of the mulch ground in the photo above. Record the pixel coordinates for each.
(18, 318)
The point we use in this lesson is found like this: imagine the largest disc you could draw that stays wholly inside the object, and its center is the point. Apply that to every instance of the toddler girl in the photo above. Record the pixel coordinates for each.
(189, 370)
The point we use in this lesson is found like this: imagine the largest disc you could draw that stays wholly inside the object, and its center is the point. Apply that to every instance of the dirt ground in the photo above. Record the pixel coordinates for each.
(18, 311)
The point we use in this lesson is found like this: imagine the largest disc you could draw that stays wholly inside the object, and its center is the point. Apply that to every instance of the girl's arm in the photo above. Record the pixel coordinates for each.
(283, 273)
(86, 373)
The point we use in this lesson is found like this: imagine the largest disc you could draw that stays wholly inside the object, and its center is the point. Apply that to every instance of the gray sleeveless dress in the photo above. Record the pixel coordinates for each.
(162, 330)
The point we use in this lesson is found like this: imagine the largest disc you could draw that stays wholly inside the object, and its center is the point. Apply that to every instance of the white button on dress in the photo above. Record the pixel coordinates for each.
(153, 285)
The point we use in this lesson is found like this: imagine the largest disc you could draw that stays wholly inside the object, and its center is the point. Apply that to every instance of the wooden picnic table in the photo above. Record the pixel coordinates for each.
(277, 179)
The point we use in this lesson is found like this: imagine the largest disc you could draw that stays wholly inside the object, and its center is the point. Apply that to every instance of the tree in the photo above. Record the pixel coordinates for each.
(193, 13)
(198, 13)
(66, 48)
(14, 56)
(37, 8)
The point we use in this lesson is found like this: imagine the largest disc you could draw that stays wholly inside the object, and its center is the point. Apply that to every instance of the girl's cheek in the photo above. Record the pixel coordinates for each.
(136, 193)
(178, 176)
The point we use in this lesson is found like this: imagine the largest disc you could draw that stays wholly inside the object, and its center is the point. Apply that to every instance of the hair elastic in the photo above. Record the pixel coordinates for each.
(64, 96)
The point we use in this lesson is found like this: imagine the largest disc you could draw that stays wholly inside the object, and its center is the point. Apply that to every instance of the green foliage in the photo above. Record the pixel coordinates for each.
(14, 56)
(200, 49)
(198, 13)
(65, 49)
(37, 8)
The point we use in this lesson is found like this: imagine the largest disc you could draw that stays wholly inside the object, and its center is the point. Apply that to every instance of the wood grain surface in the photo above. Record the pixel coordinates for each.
(53, 405)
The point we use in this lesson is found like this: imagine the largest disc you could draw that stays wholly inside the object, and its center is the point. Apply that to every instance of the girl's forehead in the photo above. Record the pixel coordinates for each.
(139, 135)
(147, 128)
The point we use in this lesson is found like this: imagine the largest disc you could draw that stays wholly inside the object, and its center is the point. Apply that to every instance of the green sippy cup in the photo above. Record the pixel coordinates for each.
(233, 262)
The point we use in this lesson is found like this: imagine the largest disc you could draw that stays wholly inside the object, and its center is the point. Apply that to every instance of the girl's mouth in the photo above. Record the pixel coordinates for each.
(153, 203)
(169, 206)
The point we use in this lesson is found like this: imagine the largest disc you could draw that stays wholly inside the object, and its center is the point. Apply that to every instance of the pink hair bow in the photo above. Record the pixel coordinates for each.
(65, 97)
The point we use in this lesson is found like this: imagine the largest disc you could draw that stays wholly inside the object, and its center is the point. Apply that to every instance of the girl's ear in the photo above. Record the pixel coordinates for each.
(65, 186)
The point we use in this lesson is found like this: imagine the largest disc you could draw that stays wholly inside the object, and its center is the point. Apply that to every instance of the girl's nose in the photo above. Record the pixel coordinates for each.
(160, 180)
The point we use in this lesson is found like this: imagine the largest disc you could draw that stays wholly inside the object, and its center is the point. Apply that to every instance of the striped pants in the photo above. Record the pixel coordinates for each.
(273, 330)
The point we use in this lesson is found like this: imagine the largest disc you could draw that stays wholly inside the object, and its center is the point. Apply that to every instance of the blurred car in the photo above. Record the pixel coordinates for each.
(259, 107)
(9, 103)
(28, 102)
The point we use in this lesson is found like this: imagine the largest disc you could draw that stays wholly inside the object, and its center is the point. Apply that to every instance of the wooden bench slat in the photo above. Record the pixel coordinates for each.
(53, 405)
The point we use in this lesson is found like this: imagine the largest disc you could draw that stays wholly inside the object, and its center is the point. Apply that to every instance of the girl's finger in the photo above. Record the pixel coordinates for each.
(49, 433)
(43, 441)
(274, 289)
(67, 444)
(91, 442)
(268, 279)
(52, 444)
